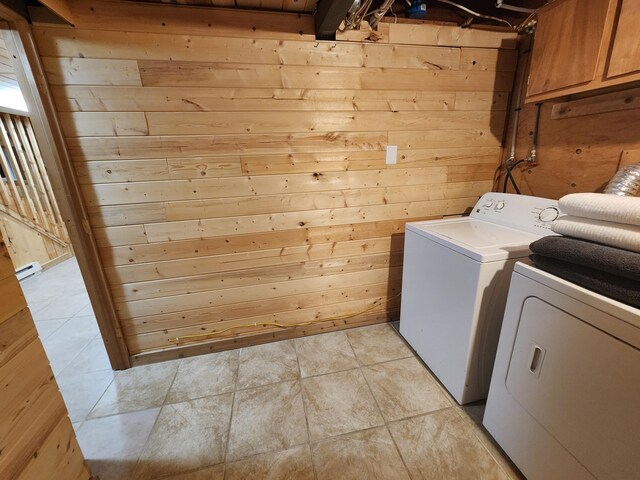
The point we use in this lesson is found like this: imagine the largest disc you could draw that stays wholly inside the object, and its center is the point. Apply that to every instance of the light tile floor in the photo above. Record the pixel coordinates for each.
(355, 404)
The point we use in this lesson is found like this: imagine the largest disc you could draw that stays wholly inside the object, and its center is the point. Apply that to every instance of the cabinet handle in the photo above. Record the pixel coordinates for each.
(537, 356)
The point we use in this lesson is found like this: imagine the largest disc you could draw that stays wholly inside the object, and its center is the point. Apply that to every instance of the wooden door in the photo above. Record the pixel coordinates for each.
(625, 50)
(37, 440)
(567, 44)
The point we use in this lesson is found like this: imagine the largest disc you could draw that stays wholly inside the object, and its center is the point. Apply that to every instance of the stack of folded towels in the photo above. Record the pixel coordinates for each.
(600, 245)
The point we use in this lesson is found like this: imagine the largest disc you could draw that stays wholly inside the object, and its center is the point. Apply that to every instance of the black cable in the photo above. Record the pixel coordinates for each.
(509, 176)
(513, 181)
(506, 180)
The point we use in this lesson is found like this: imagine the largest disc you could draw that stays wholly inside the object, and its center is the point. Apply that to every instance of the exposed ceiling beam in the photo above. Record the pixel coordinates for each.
(329, 15)
(60, 8)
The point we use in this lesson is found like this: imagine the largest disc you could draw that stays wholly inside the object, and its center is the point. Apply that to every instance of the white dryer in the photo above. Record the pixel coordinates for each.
(454, 285)
(564, 401)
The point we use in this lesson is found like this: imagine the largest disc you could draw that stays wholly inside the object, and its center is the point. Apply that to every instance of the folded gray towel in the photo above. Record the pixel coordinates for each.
(615, 261)
(619, 288)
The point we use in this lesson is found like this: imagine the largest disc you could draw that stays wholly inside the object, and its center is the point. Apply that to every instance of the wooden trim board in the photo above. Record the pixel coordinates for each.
(34, 87)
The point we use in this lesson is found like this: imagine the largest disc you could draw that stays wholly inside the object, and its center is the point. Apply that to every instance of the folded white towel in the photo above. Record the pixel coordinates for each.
(601, 206)
(607, 233)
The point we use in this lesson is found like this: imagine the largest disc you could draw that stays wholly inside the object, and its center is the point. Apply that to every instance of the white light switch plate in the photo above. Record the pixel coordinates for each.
(392, 154)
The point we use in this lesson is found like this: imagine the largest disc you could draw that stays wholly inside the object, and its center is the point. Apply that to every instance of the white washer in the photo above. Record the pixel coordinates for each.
(454, 285)
(564, 401)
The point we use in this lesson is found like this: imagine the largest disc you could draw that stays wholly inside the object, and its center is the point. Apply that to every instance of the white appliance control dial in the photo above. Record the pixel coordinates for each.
(549, 214)
(530, 214)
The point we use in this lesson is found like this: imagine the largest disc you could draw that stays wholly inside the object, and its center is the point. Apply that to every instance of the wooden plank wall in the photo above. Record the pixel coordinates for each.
(581, 144)
(37, 440)
(235, 173)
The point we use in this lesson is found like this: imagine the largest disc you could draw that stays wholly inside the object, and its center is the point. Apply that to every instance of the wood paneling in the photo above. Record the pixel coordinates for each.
(36, 436)
(172, 123)
(235, 177)
(82, 71)
(105, 148)
(175, 99)
(444, 35)
(258, 186)
(207, 74)
(610, 102)
(137, 17)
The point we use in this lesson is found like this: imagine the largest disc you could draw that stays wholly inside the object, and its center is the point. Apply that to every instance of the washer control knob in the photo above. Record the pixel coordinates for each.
(488, 204)
(549, 214)
(499, 205)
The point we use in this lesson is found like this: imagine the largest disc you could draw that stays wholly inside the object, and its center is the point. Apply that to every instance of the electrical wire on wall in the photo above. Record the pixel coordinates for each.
(361, 12)
(376, 15)
(355, 17)
(476, 14)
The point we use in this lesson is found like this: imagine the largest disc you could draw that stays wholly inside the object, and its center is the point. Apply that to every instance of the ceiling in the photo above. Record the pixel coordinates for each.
(436, 10)
(306, 6)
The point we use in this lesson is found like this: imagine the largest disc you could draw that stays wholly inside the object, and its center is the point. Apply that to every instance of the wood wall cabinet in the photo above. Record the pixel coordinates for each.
(584, 46)
(625, 46)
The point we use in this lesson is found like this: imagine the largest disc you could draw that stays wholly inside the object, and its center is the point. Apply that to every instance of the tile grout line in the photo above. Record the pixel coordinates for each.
(42, 339)
(386, 423)
(304, 408)
(475, 427)
(384, 420)
(73, 360)
(86, 417)
(271, 385)
(155, 422)
(233, 404)
(375, 400)
(395, 444)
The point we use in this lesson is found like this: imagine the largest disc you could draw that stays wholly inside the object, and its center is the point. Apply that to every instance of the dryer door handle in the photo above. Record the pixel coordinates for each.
(536, 359)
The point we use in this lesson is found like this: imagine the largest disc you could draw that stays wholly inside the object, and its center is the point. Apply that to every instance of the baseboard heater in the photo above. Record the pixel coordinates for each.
(28, 270)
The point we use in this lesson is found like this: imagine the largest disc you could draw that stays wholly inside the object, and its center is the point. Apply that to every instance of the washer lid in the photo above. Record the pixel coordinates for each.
(482, 241)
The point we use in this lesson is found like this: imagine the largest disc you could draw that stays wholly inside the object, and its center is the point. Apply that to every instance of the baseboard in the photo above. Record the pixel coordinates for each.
(258, 339)
(57, 260)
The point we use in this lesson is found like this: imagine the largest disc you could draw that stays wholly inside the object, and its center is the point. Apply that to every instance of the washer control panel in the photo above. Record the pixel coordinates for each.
(531, 214)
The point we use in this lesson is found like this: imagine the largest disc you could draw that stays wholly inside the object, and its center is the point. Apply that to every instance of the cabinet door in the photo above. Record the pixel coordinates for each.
(625, 51)
(567, 44)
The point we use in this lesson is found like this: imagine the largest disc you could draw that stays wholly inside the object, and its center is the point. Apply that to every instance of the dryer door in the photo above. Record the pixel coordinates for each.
(581, 385)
